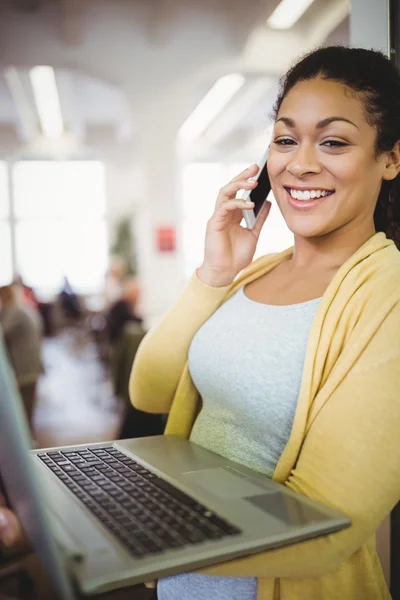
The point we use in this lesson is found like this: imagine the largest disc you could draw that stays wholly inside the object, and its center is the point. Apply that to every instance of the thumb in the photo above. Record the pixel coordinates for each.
(4, 519)
(10, 530)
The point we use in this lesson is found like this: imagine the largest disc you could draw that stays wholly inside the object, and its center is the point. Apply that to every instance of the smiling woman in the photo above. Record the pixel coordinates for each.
(292, 367)
(334, 156)
(337, 128)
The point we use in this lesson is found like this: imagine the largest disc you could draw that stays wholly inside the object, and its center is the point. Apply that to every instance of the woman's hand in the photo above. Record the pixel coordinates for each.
(11, 533)
(228, 246)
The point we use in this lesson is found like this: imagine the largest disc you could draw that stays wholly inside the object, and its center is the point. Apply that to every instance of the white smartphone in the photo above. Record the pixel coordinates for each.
(259, 194)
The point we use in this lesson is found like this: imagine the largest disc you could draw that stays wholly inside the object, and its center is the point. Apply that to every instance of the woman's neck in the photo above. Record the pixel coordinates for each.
(330, 251)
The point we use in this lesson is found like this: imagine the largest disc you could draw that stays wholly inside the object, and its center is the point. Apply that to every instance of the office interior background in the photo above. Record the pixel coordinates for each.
(119, 122)
(145, 108)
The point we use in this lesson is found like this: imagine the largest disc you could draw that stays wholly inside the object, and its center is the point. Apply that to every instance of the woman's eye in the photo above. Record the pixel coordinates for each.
(334, 144)
(284, 142)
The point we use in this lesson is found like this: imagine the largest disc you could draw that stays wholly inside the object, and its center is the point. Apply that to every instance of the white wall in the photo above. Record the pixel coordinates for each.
(123, 192)
(369, 24)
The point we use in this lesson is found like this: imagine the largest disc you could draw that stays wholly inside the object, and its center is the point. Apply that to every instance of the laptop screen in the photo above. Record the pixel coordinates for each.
(21, 485)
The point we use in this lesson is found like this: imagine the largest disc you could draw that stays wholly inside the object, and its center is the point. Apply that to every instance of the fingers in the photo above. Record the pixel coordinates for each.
(229, 191)
(224, 210)
(10, 529)
(262, 217)
(249, 172)
(243, 181)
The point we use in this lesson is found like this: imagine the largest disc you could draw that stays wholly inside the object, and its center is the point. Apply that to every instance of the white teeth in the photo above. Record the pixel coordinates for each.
(307, 194)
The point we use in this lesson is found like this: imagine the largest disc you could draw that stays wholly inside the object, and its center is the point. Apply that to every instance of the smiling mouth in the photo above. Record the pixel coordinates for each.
(308, 194)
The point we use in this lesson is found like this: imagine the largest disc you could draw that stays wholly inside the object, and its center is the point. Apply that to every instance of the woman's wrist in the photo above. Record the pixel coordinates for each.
(213, 278)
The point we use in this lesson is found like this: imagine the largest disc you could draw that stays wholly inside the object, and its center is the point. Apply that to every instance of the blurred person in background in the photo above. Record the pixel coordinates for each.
(69, 302)
(292, 368)
(114, 281)
(25, 293)
(28, 296)
(22, 334)
(116, 310)
(123, 310)
(126, 332)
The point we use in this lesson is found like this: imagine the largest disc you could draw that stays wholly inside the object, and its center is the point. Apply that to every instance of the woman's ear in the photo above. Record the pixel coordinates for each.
(392, 168)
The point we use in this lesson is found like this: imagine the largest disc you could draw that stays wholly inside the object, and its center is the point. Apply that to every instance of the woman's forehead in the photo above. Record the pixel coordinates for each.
(317, 99)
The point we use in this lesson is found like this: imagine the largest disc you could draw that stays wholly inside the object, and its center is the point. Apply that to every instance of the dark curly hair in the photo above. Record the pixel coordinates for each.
(376, 81)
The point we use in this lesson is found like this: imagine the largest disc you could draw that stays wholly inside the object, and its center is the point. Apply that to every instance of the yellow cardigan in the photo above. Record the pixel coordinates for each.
(344, 449)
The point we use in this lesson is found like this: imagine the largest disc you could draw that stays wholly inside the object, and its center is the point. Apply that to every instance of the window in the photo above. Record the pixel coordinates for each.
(59, 224)
(5, 234)
(200, 185)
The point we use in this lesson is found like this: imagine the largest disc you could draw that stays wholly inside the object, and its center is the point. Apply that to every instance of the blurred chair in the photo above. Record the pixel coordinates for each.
(27, 390)
(136, 423)
(46, 311)
(388, 549)
(383, 547)
(395, 552)
(96, 325)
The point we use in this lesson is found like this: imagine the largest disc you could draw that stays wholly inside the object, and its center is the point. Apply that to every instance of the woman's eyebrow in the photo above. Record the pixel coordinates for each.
(320, 124)
(329, 120)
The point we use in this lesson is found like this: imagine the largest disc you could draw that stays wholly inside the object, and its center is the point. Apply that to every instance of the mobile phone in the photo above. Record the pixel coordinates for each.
(259, 194)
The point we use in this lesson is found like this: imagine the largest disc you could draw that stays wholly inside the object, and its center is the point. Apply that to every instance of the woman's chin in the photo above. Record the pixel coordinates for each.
(308, 225)
(307, 230)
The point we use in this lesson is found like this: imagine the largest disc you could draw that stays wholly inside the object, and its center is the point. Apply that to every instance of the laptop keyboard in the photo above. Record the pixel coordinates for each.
(146, 513)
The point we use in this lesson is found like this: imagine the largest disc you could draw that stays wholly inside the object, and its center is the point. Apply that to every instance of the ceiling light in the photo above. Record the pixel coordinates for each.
(47, 101)
(254, 93)
(213, 102)
(28, 126)
(287, 13)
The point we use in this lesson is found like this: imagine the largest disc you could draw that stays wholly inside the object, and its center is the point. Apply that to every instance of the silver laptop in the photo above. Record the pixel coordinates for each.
(109, 515)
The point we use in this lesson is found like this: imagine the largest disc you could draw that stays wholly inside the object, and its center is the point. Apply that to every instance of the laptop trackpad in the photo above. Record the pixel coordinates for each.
(224, 483)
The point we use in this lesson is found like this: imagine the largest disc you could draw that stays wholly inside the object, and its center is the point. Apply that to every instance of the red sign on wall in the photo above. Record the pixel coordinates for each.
(166, 239)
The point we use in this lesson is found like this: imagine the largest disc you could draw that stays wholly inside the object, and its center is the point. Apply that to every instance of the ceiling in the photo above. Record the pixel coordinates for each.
(97, 98)
(87, 104)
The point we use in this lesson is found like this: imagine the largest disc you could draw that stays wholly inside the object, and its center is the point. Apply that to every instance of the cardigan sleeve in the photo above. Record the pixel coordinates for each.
(350, 460)
(162, 355)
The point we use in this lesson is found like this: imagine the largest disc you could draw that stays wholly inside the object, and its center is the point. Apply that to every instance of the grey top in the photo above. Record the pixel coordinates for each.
(247, 363)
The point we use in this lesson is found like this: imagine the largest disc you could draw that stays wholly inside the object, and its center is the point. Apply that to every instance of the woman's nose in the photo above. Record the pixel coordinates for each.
(303, 162)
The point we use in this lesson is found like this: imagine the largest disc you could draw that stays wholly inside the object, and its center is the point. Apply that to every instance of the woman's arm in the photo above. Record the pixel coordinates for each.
(350, 460)
(163, 353)
(228, 249)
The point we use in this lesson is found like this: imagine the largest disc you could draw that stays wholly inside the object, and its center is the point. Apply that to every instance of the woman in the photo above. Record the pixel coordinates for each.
(292, 367)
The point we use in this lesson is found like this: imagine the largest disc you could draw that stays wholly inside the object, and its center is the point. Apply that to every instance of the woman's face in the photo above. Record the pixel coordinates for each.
(322, 162)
